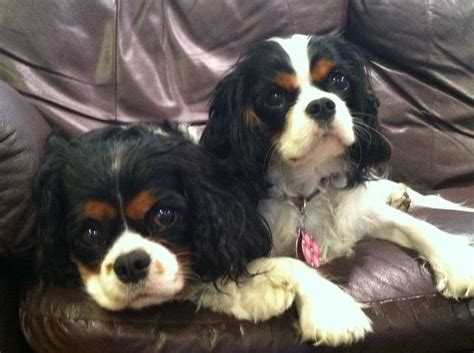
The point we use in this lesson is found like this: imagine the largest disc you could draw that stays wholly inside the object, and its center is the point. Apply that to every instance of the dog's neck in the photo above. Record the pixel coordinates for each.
(302, 179)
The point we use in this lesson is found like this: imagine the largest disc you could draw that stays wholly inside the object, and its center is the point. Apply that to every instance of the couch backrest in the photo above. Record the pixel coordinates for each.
(87, 63)
(83, 63)
(422, 59)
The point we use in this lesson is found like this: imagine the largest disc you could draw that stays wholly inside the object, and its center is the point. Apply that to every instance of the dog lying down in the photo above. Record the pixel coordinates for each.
(296, 121)
(138, 216)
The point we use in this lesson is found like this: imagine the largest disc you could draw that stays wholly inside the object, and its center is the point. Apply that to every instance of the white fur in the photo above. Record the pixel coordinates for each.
(164, 281)
(305, 155)
(327, 314)
(297, 139)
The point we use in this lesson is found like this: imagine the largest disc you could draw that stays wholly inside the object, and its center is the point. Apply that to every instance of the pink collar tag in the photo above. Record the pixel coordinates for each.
(307, 249)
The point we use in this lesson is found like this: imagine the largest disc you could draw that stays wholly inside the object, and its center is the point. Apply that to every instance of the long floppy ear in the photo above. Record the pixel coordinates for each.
(371, 147)
(227, 231)
(53, 264)
(231, 137)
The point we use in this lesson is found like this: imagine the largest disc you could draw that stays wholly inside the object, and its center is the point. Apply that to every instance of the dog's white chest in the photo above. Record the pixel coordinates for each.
(285, 219)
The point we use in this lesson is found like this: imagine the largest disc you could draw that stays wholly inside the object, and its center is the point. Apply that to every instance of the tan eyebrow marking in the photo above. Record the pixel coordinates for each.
(99, 210)
(321, 69)
(139, 206)
(286, 81)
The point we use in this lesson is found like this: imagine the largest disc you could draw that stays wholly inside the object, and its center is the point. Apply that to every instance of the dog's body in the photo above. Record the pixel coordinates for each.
(297, 122)
(141, 216)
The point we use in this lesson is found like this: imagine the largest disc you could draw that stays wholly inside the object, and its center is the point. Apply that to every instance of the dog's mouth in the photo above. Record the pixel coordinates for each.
(146, 297)
(329, 137)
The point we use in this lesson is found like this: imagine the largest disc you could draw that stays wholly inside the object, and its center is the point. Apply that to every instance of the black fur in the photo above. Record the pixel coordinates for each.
(216, 220)
(243, 148)
(246, 149)
(368, 151)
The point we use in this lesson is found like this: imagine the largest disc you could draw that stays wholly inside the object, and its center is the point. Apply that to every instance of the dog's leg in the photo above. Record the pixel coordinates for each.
(434, 201)
(451, 256)
(265, 294)
(404, 198)
(327, 315)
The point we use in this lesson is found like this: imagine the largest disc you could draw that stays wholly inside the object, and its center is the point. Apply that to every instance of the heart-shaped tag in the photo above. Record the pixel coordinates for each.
(307, 249)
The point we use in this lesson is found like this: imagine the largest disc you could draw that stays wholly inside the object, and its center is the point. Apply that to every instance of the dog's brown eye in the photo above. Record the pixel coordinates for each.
(164, 218)
(92, 235)
(338, 82)
(275, 99)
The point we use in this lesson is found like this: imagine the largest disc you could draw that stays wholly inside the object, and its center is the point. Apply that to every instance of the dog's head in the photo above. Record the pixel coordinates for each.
(305, 98)
(136, 213)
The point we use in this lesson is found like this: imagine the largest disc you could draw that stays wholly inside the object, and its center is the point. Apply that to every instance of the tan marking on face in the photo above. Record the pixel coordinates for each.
(139, 206)
(159, 267)
(286, 81)
(321, 69)
(99, 210)
(251, 118)
(109, 268)
(86, 272)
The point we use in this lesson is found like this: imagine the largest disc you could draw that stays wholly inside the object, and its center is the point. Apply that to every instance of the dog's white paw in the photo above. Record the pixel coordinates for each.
(399, 198)
(336, 320)
(455, 272)
(265, 294)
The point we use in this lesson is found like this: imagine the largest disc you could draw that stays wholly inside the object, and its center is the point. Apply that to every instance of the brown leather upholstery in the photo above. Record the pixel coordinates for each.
(422, 61)
(84, 64)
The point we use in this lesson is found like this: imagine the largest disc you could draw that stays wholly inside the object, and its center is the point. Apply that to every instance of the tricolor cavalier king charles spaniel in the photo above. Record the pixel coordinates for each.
(295, 120)
(138, 216)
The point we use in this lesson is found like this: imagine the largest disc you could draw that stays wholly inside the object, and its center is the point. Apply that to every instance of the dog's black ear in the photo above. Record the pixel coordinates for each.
(53, 265)
(231, 137)
(227, 232)
(371, 147)
(225, 110)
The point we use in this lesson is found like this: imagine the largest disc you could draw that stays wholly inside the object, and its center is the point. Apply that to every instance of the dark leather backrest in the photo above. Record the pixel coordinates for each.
(422, 57)
(84, 63)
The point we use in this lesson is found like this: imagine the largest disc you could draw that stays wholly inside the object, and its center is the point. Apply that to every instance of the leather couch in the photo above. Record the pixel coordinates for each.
(78, 65)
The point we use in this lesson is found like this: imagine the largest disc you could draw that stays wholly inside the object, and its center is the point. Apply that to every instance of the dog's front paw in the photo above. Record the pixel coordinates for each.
(455, 276)
(399, 198)
(334, 320)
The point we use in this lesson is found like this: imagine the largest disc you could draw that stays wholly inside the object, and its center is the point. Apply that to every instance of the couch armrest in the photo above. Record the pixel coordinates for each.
(23, 133)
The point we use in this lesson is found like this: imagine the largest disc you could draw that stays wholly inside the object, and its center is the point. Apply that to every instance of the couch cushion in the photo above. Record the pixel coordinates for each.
(422, 61)
(408, 314)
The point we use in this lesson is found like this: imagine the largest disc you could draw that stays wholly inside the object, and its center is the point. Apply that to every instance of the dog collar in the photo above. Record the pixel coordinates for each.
(307, 248)
(301, 201)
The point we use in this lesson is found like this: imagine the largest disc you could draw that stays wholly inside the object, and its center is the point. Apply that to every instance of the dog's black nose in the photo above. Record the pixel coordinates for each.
(133, 266)
(322, 109)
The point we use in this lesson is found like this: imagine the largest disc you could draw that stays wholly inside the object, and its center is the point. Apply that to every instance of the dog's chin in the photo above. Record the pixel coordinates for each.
(148, 299)
(118, 296)
(321, 148)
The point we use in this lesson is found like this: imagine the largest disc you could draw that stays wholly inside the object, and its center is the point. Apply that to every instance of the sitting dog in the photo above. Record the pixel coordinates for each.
(295, 120)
